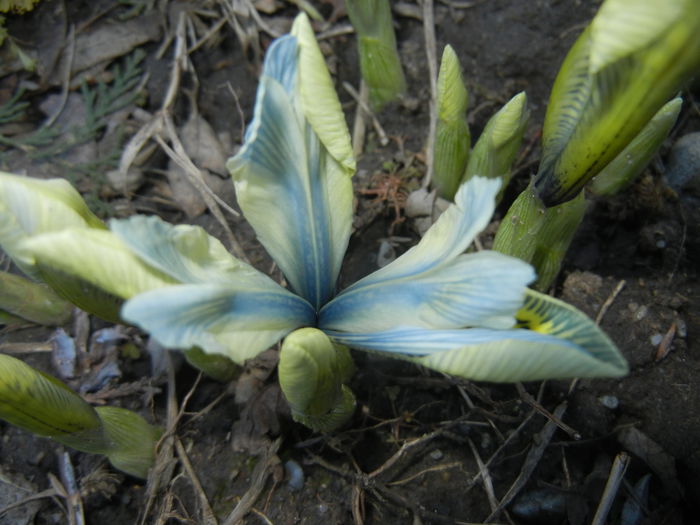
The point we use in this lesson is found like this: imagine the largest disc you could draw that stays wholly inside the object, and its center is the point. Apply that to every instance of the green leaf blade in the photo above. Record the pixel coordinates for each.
(32, 301)
(31, 207)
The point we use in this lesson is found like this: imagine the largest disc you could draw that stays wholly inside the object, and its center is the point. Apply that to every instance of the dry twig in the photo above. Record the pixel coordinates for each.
(531, 461)
(70, 491)
(65, 85)
(370, 483)
(609, 301)
(363, 112)
(485, 476)
(207, 514)
(546, 413)
(257, 484)
(25, 348)
(161, 473)
(161, 126)
(617, 472)
(431, 54)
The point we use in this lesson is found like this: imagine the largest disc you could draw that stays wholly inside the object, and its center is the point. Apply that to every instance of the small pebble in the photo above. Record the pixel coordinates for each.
(641, 313)
(64, 354)
(120, 183)
(683, 161)
(610, 402)
(681, 328)
(295, 475)
(436, 454)
(545, 505)
(656, 339)
(386, 254)
(420, 203)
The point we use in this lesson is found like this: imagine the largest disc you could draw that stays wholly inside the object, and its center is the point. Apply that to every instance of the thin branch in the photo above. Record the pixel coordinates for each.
(257, 484)
(617, 472)
(533, 457)
(208, 516)
(431, 53)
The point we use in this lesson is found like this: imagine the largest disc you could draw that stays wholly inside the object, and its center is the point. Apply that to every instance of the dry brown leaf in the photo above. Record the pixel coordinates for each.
(260, 421)
(14, 488)
(267, 6)
(108, 40)
(658, 460)
(202, 145)
(188, 198)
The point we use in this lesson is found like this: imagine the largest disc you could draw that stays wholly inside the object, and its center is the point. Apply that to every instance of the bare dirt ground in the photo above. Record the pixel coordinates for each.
(421, 448)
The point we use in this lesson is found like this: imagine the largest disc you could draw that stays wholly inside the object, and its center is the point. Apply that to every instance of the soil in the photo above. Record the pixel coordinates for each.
(421, 447)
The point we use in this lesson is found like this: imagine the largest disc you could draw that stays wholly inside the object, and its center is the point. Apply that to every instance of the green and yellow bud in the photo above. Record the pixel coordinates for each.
(312, 373)
(452, 139)
(41, 404)
(633, 57)
(30, 206)
(627, 166)
(498, 145)
(92, 268)
(379, 59)
(129, 440)
(32, 301)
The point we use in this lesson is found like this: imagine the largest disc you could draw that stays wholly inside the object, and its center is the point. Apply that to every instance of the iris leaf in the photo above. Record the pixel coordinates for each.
(30, 206)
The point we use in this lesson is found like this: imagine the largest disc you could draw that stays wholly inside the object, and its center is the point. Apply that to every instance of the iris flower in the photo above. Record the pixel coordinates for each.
(467, 314)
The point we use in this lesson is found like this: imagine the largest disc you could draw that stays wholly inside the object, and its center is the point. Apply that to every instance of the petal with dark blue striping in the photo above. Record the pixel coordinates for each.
(483, 289)
(291, 189)
(233, 320)
(491, 355)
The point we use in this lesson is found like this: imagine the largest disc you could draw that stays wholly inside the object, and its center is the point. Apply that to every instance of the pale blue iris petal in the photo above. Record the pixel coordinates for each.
(487, 355)
(186, 253)
(451, 234)
(481, 289)
(281, 62)
(280, 188)
(225, 320)
(418, 342)
(291, 190)
(280, 65)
